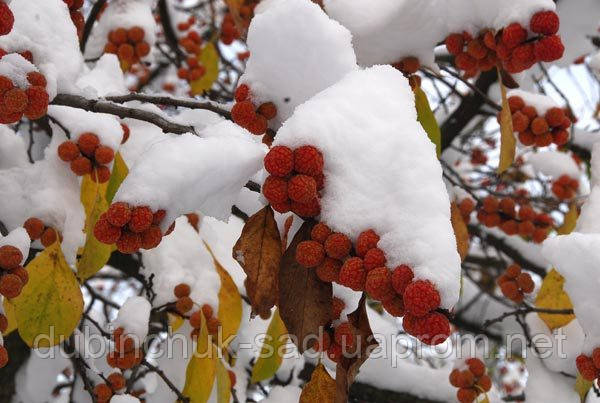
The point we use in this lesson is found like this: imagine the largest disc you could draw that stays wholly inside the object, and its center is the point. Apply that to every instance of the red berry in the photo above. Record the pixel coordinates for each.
(366, 241)
(126, 133)
(100, 174)
(14, 101)
(243, 113)
(515, 103)
(268, 110)
(105, 232)
(402, 276)
(242, 92)
(48, 237)
(182, 290)
(379, 284)
(310, 209)
(545, 23)
(320, 232)
(374, 258)
(81, 166)
(38, 102)
(353, 274)
(345, 335)
(116, 381)
(10, 257)
(258, 125)
(334, 352)
(129, 242)
(596, 357)
(7, 20)
(586, 368)
(34, 227)
(103, 392)
(549, 48)
(141, 219)
(476, 366)
(151, 237)
(454, 43)
(310, 254)
(466, 395)
(118, 214)
(466, 62)
(104, 155)
(275, 190)
(36, 79)
(88, 142)
(513, 35)
(279, 161)
(555, 116)
(394, 306)
(431, 329)
(329, 270)
(525, 282)
(420, 297)
(10, 285)
(337, 306)
(337, 246)
(68, 151)
(308, 160)
(302, 188)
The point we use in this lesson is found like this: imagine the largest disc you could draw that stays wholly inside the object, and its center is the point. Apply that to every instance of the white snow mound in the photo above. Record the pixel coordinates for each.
(133, 317)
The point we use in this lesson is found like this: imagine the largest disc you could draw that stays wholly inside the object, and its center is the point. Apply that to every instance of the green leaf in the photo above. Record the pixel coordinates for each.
(427, 119)
(201, 370)
(508, 144)
(119, 172)
(50, 305)
(269, 360)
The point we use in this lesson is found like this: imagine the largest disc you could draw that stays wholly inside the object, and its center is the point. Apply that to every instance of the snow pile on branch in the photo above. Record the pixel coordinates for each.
(381, 172)
(182, 257)
(106, 78)
(396, 29)
(13, 152)
(16, 67)
(133, 317)
(553, 163)
(188, 173)
(577, 257)
(295, 52)
(45, 28)
(543, 385)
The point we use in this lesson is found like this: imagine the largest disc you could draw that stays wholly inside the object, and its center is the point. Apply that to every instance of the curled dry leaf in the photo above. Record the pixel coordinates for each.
(460, 231)
(258, 251)
(304, 300)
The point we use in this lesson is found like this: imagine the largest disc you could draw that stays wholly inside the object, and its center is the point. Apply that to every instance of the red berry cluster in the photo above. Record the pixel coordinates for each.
(128, 45)
(363, 268)
(466, 207)
(125, 354)
(38, 230)
(13, 276)
(87, 156)
(502, 213)
(589, 367)
(514, 283)
(76, 15)
(131, 228)
(510, 46)
(184, 26)
(16, 102)
(191, 43)
(184, 304)
(251, 118)
(471, 381)
(7, 20)
(105, 391)
(229, 31)
(540, 131)
(565, 187)
(295, 181)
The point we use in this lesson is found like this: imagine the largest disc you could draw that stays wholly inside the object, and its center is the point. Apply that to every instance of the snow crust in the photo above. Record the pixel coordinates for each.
(15, 67)
(544, 385)
(133, 317)
(13, 152)
(553, 163)
(106, 78)
(312, 52)
(386, 176)
(188, 173)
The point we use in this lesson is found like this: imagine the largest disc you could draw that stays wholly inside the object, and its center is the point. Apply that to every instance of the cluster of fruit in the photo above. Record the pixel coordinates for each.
(514, 283)
(540, 131)
(125, 354)
(296, 177)
(246, 114)
(362, 267)
(409, 67)
(16, 102)
(192, 70)
(131, 228)
(471, 381)
(36, 229)
(128, 45)
(589, 367)
(185, 304)
(13, 276)
(513, 47)
(229, 31)
(87, 156)
(565, 187)
(76, 15)
(104, 391)
(526, 222)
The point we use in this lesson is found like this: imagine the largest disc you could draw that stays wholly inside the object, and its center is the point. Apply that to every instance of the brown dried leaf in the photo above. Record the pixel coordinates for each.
(304, 300)
(347, 368)
(460, 231)
(258, 251)
(320, 389)
(508, 143)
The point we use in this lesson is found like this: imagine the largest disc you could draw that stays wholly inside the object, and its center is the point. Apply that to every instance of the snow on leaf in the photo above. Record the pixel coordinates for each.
(258, 251)
(552, 296)
(209, 58)
(427, 119)
(201, 370)
(320, 388)
(270, 357)
(51, 303)
(508, 143)
(304, 301)
(119, 172)
(460, 231)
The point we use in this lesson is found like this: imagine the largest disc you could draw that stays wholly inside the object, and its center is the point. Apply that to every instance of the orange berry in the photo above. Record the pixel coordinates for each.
(142, 49)
(268, 110)
(10, 257)
(14, 101)
(34, 227)
(68, 151)
(100, 174)
(337, 246)
(515, 103)
(182, 290)
(135, 34)
(49, 237)
(88, 142)
(126, 52)
(118, 36)
(36, 78)
(310, 254)
(539, 125)
(129, 242)
(10, 285)
(184, 304)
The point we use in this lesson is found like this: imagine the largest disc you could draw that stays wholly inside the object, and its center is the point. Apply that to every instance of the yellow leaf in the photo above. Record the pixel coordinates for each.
(427, 119)
(201, 370)
(95, 254)
(119, 172)
(9, 312)
(508, 143)
(269, 360)
(461, 232)
(582, 386)
(320, 389)
(175, 321)
(50, 305)
(209, 58)
(223, 383)
(570, 220)
(552, 296)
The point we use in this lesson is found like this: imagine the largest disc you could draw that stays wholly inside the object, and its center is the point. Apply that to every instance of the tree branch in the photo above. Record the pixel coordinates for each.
(89, 23)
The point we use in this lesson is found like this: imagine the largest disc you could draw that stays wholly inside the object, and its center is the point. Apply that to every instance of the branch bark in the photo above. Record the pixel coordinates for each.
(164, 100)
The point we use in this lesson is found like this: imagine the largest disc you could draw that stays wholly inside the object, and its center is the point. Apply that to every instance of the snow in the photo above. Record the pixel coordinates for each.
(578, 20)
(13, 152)
(189, 173)
(133, 317)
(16, 68)
(351, 299)
(386, 176)
(540, 102)
(283, 394)
(106, 78)
(544, 385)
(188, 261)
(45, 28)
(312, 52)
(397, 28)
(19, 239)
(584, 138)
(553, 163)
(124, 399)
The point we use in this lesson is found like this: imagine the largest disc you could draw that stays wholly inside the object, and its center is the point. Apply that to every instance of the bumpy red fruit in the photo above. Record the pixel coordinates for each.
(81, 166)
(345, 335)
(7, 19)
(68, 151)
(549, 48)
(302, 188)
(242, 92)
(279, 161)
(141, 219)
(337, 246)
(268, 110)
(329, 270)
(476, 366)
(353, 274)
(337, 306)
(394, 306)
(545, 23)
(38, 102)
(308, 160)
(275, 189)
(310, 254)
(10, 285)
(10, 257)
(182, 290)
(88, 142)
(243, 113)
(310, 209)
(100, 174)
(105, 232)
(104, 155)
(431, 329)
(379, 284)
(374, 258)
(320, 232)
(151, 237)
(366, 241)
(34, 227)
(466, 395)
(14, 101)
(129, 242)
(513, 35)
(420, 297)
(402, 276)
(454, 43)
(585, 366)
(118, 214)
